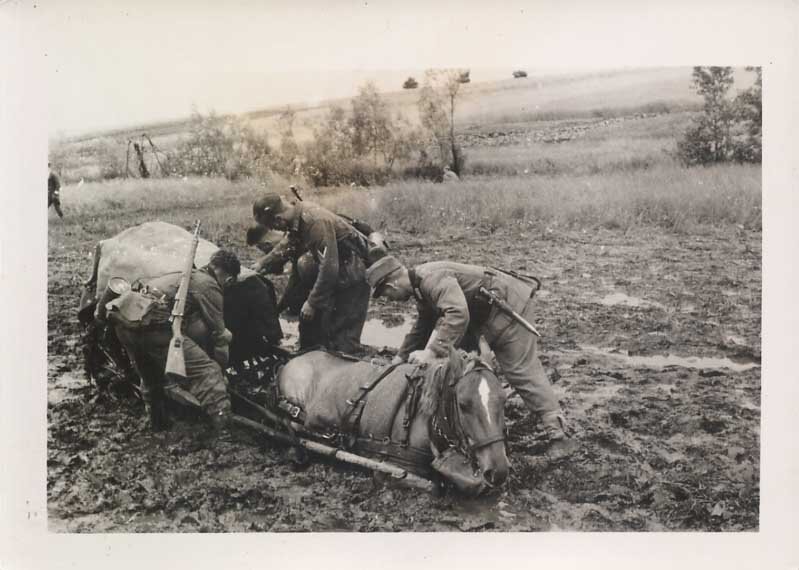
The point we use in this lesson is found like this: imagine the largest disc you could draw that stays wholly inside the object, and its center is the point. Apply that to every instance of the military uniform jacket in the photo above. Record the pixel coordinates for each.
(448, 300)
(203, 317)
(332, 242)
(53, 185)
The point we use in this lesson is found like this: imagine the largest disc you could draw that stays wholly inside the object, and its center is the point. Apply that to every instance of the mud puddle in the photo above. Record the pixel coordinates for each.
(660, 361)
(376, 332)
(488, 513)
(65, 386)
(624, 300)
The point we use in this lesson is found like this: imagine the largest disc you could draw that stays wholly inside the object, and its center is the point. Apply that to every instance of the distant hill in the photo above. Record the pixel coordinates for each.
(536, 97)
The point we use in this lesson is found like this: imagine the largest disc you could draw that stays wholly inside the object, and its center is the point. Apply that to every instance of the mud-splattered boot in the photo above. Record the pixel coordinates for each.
(220, 421)
(559, 444)
(299, 458)
(157, 419)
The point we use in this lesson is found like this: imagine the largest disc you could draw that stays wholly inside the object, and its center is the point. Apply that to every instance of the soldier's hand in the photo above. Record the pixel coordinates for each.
(421, 357)
(307, 312)
(397, 360)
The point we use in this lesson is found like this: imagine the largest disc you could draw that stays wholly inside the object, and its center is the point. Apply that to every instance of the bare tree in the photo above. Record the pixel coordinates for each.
(437, 104)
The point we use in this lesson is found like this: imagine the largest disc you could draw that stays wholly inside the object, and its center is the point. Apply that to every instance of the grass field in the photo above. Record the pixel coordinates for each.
(665, 195)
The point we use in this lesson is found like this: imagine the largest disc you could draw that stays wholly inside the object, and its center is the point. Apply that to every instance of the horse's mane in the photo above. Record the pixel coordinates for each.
(439, 375)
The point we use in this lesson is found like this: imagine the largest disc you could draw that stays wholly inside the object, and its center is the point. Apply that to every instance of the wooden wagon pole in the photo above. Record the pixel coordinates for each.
(346, 456)
(155, 153)
(268, 414)
(127, 159)
(396, 472)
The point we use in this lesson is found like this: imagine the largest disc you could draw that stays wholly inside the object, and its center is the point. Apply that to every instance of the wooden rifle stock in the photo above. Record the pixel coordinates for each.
(175, 361)
(494, 299)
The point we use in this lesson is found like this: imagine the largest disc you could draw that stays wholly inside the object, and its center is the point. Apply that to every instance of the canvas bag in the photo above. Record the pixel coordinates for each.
(135, 310)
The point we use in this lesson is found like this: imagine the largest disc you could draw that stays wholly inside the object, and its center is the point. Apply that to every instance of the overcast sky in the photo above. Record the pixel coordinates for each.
(125, 63)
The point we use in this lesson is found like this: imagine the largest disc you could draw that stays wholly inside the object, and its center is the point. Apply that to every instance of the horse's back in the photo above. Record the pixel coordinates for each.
(321, 383)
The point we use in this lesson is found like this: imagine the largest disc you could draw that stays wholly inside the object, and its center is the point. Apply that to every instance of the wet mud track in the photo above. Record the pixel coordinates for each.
(652, 341)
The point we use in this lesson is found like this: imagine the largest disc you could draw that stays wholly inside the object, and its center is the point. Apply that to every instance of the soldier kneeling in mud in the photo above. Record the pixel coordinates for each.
(453, 308)
(146, 336)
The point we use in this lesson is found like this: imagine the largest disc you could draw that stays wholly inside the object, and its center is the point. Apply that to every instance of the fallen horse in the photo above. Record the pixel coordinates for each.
(444, 422)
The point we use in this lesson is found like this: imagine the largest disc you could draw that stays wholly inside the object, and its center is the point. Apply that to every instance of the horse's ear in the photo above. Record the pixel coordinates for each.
(471, 362)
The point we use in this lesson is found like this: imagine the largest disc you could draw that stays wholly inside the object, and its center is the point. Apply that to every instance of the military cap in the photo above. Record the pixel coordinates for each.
(255, 234)
(380, 271)
(265, 207)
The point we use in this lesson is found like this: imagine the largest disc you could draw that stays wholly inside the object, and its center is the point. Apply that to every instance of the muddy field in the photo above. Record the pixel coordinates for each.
(652, 341)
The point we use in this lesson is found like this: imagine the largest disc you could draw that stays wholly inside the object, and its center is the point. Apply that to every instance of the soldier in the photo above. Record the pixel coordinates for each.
(334, 313)
(205, 345)
(303, 272)
(54, 192)
(452, 309)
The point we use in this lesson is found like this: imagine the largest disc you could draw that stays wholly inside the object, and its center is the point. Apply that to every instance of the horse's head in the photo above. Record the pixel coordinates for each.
(471, 419)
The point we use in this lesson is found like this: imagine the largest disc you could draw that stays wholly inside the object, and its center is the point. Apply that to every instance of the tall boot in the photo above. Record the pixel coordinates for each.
(559, 444)
(156, 412)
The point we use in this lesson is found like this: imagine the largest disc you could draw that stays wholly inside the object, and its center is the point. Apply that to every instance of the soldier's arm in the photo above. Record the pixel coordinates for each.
(452, 309)
(323, 239)
(211, 302)
(419, 333)
(275, 260)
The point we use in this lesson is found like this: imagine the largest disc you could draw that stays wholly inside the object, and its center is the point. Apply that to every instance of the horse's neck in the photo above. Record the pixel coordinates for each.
(419, 433)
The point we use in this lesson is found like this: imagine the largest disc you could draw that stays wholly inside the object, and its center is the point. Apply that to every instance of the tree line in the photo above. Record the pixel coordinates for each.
(364, 144)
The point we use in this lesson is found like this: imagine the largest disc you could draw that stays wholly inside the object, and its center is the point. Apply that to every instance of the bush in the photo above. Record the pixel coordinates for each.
(410, 83)
(361, 147)
(111, 159)
(519, 73)
(431, 172)
(219, 146)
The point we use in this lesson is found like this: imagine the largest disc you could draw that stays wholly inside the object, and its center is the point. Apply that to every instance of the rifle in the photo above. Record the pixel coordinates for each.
(296, 192)
(175, 361)
(493, 298)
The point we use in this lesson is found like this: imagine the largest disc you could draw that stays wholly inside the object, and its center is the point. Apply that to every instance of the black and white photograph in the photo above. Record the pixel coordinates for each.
(358, 268)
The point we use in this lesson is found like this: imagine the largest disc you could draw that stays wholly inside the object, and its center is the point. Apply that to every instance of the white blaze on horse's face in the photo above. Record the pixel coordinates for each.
(484, 390)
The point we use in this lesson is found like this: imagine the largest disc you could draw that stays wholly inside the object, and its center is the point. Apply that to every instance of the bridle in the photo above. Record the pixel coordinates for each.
(446, 425)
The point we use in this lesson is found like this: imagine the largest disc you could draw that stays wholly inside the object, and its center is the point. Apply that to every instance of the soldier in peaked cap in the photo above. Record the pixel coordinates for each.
(451, 307)
(337, 304)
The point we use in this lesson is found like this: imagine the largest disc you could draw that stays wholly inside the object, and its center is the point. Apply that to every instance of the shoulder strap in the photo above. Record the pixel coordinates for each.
(349, 426)
(416, 283)
(534, 282)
